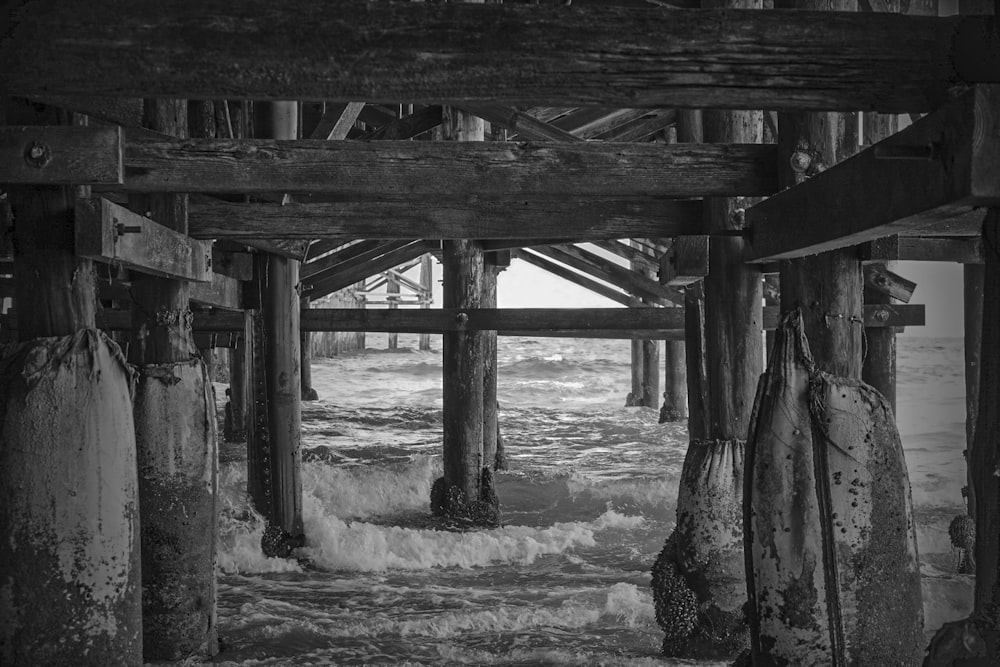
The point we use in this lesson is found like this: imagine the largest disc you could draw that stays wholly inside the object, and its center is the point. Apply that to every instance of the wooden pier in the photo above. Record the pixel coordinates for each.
(715, 171)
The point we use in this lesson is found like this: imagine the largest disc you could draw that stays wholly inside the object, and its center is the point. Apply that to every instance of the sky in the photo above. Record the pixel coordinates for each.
(939, 288)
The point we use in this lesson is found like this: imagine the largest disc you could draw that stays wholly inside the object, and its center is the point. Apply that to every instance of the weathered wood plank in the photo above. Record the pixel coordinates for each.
(526, 126)
(512, 54)
(337, 121)
(966, 250)
(61, 155)
(953, 166)
(221, 292)
(407, 127)
(350, 257)
(238, 265)
(641, 128)
(108, 232)
(646, 320)
(578, 218)
(492, 169)
(609, 271)
(639, 258)
(342, 279)
(883, 281)
(686, 261)
(574, 277)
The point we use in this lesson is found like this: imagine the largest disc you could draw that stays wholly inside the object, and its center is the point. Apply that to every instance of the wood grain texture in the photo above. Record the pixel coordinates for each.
(686, 261)
(446, 217)
(383, 169)
(111, 233)
(880, 280)
(511, 54)
(386, 261)
(609, 271)
(61, 155)
(890, 196)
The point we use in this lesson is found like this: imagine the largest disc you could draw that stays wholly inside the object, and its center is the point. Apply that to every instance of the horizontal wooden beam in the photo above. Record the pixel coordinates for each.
(107, 232)
(384, 169)
(512, 54)
(572, 276)
(574, 218)
(610, 272)
(964, 249)
(940, 168)
(686, 262)
(221, 292)
(514, 321)
(61, 155)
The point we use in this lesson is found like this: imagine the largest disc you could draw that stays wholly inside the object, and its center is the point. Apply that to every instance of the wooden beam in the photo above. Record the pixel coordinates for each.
(510, 54)
(407, 127)
(510, 320)
(282, 247)
(526, 126)
(965, 249)
(941, 167)
(237, 265)
(574, 277)
(632, 254)
(577, 218)
(342, 279)
(61, 155)
(609, 271)
(440, 169)
(492, 245)
(221, 292)
(686, 262)
(640, 129)
(885, 282)
(350, 257)
(337, 121)
(108, 232)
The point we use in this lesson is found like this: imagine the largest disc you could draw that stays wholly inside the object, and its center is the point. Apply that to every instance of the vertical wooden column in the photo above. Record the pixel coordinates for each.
(236, 409)
(635, 396)
(674, 382)
(689, 130)
(830, 442)
(280, 317)
(305, 363)
(176, 444)
(70, 588)
(491, 429)
(973, 284)
(392, 297)
(427, 283)
(985, 454)
(879, 366)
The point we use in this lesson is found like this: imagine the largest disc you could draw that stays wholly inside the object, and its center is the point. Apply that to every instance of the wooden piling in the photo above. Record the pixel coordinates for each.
(392, 298)
(492, 456)
(176, 444)
(463, 371)
(635, 396)
(277, 468)
(984, 456)
(305, 363)
(236, 409)
(427, 284)
(973, 284)
(674, 382)
(68, 490)
(845, 554)
(879, 365)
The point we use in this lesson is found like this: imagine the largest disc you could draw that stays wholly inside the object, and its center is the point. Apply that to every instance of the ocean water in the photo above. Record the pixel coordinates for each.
(587, 503)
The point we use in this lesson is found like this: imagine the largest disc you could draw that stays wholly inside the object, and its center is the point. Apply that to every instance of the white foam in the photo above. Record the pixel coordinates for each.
(650, 492)
(369, 491)
(358, 546)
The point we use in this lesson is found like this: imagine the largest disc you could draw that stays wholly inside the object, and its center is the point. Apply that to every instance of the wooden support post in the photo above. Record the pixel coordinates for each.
(278, 454)
(674, 382)
(427, 285)
(650, 373)
(305, 365)
(634, 398)
(829, 441)
(392, 296)
(985, 454)
(176, 443)
(67, 465)
(879, 364)
(493, 455)
(466, 489)
(235, 425)
(973, 285)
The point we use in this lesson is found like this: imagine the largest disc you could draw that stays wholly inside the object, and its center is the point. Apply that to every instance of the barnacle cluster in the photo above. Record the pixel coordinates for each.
(675, 603)
(448, 501)
(962, 532)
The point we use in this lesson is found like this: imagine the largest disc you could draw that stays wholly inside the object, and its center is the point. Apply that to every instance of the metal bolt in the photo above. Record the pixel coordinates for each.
(800, 161)
(37, 154)
(462, 319)
(881, 314)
